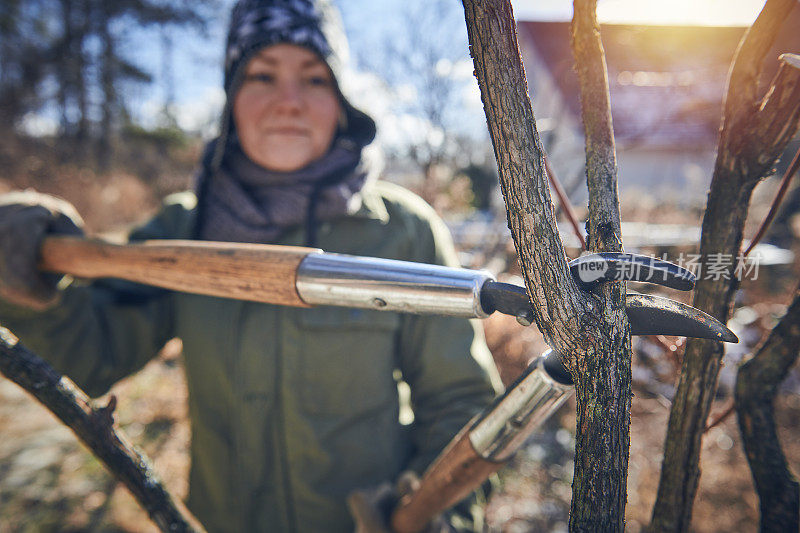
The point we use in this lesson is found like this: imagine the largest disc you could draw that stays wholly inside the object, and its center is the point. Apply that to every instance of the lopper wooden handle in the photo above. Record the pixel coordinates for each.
(453, 475)
(257, 272)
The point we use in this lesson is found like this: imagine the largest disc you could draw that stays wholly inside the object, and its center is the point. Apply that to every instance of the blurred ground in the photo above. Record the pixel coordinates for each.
(537, 483)
(48, 482)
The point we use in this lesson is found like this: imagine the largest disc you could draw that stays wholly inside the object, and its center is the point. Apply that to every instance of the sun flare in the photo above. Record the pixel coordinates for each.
(679, 12)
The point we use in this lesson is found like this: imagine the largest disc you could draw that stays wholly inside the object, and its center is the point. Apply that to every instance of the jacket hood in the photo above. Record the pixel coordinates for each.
(313, 24)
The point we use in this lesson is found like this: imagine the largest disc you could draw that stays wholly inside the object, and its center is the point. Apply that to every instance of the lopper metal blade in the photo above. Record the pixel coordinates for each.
(652, 315)
(648, 315)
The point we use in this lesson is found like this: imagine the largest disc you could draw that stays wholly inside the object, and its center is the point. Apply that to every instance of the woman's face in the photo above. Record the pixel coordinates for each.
(287, 108)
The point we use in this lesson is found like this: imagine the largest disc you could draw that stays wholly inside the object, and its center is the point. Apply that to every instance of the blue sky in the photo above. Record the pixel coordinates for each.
(197, 73)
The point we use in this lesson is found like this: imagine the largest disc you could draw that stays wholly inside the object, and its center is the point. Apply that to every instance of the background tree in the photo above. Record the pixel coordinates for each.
(26, 44)
(757, 125)
(68, 58)
(756, 386)
(429, 76)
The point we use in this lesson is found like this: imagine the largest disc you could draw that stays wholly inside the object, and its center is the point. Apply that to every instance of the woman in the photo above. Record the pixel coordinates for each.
(291, 409)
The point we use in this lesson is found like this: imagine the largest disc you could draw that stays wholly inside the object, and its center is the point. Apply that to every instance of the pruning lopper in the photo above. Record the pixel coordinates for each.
(305, 277)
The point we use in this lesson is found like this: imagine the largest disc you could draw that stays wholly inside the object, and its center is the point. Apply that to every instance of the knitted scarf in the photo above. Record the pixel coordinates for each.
(244, 202)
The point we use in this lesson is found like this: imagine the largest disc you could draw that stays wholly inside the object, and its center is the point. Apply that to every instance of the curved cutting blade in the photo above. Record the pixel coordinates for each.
(652, 315)
(648, 315)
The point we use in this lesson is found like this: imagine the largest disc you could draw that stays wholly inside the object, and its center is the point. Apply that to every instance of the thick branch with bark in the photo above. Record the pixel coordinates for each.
(755, 132)
(603, 387)
(590, 331)
(756, 385)
(95, 428)
(520, 157)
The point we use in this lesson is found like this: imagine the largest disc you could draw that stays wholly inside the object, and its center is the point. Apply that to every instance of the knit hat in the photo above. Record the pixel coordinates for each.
(313, 24)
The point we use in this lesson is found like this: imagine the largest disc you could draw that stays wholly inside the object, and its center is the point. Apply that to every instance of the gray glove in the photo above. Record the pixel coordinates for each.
(25, 218)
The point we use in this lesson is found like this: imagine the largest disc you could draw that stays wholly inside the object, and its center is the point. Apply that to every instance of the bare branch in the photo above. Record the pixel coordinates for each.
(564, 203)
(520, 161)
(604, 381)
(721, 417)
(605, 234)
(739, 166)
(756, 385)
(95, 428)
(742, 99)
(777, 117)
(589, 331)
(776, 202)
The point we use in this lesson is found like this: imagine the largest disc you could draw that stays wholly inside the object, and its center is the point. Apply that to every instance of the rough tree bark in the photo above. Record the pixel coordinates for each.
(606, 381)
(754, 133)
(756, 385)
(95, 428)
(590, 330)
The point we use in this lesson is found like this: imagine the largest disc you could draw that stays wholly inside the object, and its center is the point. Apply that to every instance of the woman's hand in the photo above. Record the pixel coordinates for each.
(26, 217)
(372, 508)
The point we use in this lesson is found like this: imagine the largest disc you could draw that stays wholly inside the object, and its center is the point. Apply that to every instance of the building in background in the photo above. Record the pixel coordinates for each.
(667, 85)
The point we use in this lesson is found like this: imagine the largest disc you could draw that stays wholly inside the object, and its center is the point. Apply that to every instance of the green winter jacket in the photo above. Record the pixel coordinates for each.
(291, 409)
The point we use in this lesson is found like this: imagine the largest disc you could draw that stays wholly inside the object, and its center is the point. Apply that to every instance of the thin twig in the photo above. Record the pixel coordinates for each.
(720, 418)
(661, 341)
(773, 209)
(670, 348)
(563, 200)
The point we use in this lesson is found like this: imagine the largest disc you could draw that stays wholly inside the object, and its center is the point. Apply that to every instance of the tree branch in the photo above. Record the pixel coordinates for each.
(776, 202)
(564, 203)
(756, 385)
(745, 154)
(556, 298)
(94, 427)
(605, 234)
(603, 388)
(777, 118)
(590, 331)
